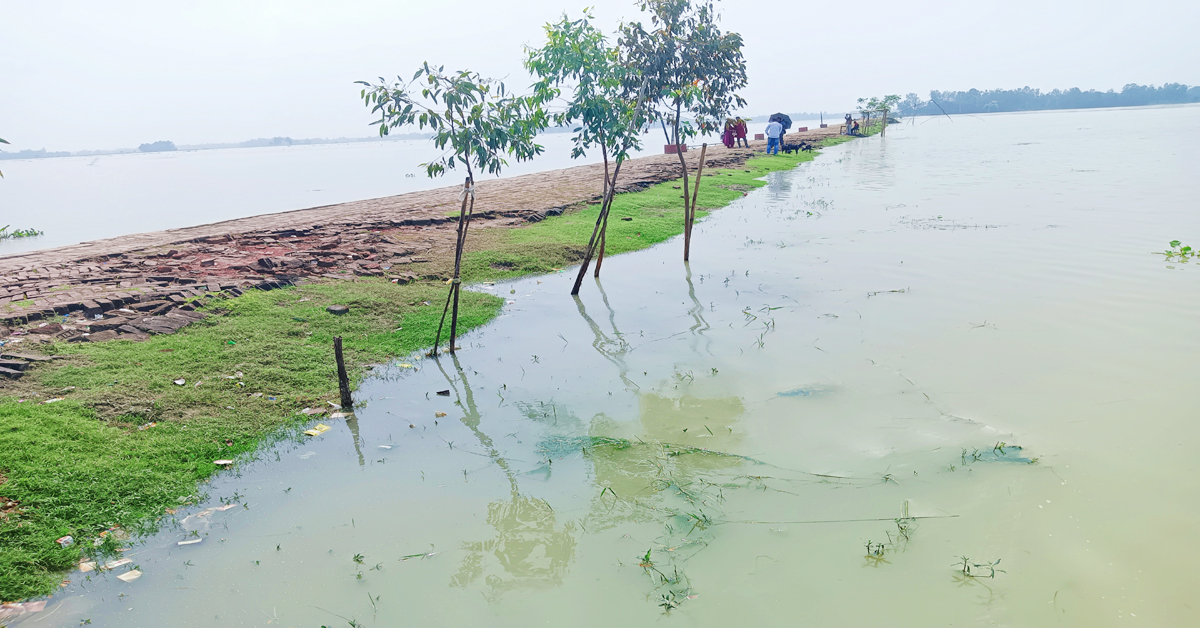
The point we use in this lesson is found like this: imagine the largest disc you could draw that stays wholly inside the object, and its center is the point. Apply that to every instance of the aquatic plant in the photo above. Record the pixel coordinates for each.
(5, 234)
(966, 567)
(1178, 252)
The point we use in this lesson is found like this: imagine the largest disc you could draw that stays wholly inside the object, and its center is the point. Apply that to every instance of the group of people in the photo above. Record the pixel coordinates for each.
(852, 127)
(735, 133)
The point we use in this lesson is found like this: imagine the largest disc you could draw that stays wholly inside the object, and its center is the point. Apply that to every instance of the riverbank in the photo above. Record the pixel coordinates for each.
(106, 437)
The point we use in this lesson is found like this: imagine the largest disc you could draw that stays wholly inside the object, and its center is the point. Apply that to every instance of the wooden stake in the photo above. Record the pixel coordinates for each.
(691, 213)
(343, 380)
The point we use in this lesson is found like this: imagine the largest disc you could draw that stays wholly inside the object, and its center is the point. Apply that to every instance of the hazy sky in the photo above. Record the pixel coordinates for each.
(82, 75)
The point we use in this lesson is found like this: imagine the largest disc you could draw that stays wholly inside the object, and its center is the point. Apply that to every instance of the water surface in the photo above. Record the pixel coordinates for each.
(961, 325)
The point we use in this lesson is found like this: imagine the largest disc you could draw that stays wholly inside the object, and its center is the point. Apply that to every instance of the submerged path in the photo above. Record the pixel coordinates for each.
(159, 271)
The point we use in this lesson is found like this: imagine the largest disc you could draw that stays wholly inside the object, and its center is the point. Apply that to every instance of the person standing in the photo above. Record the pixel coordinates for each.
(774, 132)
(739, 132)
(849, 121)
(727, 138)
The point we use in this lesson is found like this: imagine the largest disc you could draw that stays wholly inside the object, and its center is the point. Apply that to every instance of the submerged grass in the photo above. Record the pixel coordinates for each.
(81, 466)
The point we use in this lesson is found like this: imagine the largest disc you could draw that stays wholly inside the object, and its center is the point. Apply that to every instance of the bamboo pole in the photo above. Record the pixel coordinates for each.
(696, 191)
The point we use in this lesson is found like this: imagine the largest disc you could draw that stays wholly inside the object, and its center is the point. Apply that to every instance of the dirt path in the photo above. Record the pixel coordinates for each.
(151, 274)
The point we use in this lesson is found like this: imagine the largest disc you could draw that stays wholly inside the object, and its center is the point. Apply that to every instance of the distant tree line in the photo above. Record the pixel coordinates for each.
(1032, 99)
(156, 147)
(32, 154)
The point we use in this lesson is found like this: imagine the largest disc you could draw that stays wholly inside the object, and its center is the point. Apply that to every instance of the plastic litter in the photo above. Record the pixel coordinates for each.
(443, 393)
(54, 400)
(65, 541)
(222, 462)
(113, 564)
(340, 415)
(87, 566)
(191, 542)
(147, 426)
(386, 446)
(439, 414)
(317, 430)
(130, 576)
(180, 382)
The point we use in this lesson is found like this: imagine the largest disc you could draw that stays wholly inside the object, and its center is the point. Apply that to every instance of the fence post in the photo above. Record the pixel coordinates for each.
(343, 380)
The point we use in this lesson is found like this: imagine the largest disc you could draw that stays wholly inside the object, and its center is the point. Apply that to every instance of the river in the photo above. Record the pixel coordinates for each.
(955, 340)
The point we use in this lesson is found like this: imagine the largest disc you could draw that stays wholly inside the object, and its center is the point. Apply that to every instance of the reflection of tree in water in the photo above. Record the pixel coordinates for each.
(700, 325)
(529, 548)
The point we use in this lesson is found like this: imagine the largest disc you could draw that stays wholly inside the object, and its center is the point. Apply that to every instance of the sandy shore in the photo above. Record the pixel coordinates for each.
(377, 237)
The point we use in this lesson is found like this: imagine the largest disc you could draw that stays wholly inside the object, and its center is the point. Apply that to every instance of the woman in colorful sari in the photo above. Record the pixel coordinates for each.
(727, 138)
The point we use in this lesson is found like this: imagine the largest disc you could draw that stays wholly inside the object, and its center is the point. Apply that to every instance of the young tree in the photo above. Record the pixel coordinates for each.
(689, 68)
(577, 56)
(870, 106)
(477, 119)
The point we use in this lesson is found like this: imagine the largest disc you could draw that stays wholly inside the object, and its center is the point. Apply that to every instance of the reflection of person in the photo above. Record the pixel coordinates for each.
(727, 138)
(739, 131)
(774, 131)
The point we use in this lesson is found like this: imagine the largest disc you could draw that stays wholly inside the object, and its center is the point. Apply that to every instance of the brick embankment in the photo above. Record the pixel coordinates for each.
(149, 283)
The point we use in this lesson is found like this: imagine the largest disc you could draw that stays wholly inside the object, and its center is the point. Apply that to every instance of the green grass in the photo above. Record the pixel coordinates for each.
(80, 466)
(656, 215)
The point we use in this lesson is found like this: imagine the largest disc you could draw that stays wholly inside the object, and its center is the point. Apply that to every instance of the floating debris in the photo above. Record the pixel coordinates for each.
(65, 541)
(191, 542)
(317, 430)
(130, 576)
(222, 462)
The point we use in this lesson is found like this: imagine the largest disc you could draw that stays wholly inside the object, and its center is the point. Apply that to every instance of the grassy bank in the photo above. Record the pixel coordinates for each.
(81, 466)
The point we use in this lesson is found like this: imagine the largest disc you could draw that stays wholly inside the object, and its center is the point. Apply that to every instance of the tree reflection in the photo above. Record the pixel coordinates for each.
(529, 549)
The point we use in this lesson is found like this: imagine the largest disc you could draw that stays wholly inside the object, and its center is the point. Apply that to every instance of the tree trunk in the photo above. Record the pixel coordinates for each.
(687, 212)
(464, 222)
(601, 220)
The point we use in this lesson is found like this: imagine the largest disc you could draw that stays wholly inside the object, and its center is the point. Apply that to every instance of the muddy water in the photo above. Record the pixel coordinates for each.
(802, 428)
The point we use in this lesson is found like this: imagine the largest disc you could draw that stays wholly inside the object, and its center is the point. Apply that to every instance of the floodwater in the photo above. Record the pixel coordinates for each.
(952, 341)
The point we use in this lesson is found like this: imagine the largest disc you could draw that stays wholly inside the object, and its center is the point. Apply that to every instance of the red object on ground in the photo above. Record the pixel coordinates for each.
(759, 136)
(803, 128)
(671, 149)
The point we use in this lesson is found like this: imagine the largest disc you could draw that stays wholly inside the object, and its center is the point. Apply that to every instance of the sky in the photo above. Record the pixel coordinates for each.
(112, 74)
